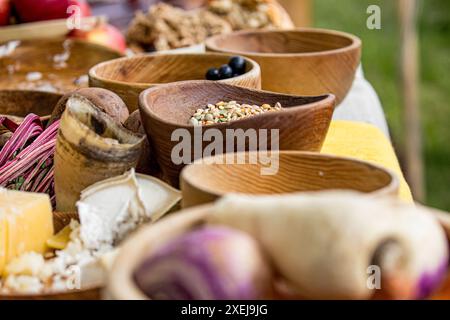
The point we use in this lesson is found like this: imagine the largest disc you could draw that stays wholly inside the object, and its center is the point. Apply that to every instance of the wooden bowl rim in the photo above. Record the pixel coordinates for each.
(211, 43)
(27, 92)
(325, 100)
(255, 70)
(392, 187)
(91, 45)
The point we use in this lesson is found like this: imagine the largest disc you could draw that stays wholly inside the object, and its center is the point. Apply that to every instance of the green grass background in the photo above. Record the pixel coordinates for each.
(380, 60)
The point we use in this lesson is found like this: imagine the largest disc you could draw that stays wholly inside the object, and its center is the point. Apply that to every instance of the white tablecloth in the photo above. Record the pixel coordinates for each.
(362, 104)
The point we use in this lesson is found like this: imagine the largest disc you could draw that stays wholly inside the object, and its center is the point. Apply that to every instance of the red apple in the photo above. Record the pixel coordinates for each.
(104, 34)
(39, 10)
(5, 12)
(32, 10)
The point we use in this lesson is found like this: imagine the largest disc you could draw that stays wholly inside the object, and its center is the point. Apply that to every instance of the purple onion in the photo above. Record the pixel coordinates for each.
(430, 281)
(213, 263)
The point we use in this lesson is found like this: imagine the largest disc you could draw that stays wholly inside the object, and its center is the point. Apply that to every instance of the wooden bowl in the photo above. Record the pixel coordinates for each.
(300, 61)
(302, 123)
(38, 56)
(120, 284)
(128, 77)
(60, 220)
(208, 179)
(19, 103)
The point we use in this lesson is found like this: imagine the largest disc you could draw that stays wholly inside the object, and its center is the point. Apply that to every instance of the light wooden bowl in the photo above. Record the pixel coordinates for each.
(297, 172)
(128, 77)
(41, 29)
(38, 56)
(60, 220)
(19, 103)
(302, 123)
(300, 61)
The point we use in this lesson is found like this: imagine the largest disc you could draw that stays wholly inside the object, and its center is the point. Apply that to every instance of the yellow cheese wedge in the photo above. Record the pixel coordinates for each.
(60, 240)
(26, 223)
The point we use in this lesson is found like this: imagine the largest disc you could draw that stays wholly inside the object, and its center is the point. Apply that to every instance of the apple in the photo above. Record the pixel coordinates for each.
(104, 34)
(5, 12)
(33, 10)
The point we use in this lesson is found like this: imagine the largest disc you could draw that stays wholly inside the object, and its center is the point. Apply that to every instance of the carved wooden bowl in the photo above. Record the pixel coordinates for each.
(300, 61)
(302, 123)
(128, 77)
(43, 65)
(208, 179)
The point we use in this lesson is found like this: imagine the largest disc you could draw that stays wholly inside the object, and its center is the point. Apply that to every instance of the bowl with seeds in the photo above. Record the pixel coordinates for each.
(177, 118)
(129, 76)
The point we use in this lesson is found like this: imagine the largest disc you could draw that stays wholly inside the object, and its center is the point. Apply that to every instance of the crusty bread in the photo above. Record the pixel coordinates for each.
(166, 27)
(252, 14)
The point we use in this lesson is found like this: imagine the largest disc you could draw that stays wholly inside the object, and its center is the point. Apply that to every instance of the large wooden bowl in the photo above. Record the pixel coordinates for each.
(208, 179)
(38, 56)
(120, 284)
(128, 77)
(19, 103)
(302, 123)
(60, 220)
(300, 61)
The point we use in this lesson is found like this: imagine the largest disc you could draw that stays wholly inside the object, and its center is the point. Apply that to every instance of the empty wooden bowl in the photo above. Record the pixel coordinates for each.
(300, 61)
(297, 172)
(128, 77)
(302, 122)
(19, 103)
(60, 220)
(55, 65)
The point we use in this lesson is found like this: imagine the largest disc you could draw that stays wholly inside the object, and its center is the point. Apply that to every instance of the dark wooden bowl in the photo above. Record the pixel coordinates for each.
(302, 123)
(38, 56)
(300, 61)
(19, 103)
(60, 220)
(128, 77)
(298, 171)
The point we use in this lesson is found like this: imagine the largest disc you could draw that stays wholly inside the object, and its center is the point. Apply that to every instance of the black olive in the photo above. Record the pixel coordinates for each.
(225, 72)
(212, 74)
(237, 64)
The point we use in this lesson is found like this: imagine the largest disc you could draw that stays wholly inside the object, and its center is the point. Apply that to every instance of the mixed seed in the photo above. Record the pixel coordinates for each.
(229, 111)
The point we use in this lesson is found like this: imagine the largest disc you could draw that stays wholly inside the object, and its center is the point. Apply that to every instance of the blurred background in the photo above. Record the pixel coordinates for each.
(381, 65)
